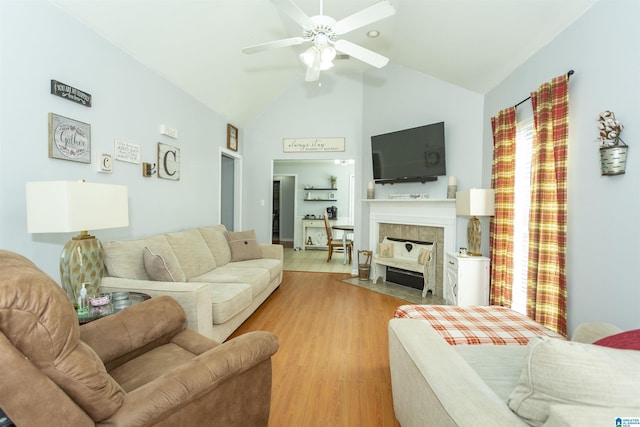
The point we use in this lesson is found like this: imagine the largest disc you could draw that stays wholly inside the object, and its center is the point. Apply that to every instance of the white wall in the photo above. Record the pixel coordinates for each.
(388, 99)
(305, 111)
(39, 42)
(397, 98)
(603, 255)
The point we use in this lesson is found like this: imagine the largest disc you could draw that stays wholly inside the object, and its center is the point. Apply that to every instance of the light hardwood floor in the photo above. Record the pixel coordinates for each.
(315, 260)
(332, 367)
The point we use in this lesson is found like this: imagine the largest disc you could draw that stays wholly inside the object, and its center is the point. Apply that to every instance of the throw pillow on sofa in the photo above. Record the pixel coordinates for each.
(243, 245)
(629, 340)
(566, 372)
(162, 265)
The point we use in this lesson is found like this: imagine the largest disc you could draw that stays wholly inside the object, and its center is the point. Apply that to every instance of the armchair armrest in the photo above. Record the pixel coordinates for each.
(124, 335)
(168, 398)
(194, 297)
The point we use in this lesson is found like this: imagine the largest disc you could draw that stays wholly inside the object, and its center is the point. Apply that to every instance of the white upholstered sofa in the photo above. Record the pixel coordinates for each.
(549, 382)
(220, 278)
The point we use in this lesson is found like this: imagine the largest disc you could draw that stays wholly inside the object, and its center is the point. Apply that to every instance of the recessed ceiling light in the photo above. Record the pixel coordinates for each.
(373, 33)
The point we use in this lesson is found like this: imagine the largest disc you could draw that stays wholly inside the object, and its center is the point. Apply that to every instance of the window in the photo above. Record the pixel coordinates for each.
(522, 201)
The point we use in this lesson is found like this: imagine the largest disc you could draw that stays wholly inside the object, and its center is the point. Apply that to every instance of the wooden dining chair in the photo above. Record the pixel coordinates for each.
(335, 243)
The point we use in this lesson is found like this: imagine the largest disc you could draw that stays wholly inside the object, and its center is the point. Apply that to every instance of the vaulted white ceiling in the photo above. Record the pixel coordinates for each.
(196, 44)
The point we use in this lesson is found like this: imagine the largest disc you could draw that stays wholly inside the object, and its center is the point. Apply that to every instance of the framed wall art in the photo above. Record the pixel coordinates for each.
(232, 137)
(168, 162)
(69, 139)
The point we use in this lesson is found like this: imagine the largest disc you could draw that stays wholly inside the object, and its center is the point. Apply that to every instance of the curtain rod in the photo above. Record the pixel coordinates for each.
(569, 74)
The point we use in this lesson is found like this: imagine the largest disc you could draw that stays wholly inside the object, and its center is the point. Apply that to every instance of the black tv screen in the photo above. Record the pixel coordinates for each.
(415, 154)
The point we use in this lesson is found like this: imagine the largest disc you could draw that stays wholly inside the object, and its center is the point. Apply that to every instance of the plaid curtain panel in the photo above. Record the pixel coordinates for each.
(546, 282)
(501, 224)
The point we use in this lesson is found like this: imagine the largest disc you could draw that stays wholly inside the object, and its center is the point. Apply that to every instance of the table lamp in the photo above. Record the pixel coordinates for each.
(474, 203)
(77, 206)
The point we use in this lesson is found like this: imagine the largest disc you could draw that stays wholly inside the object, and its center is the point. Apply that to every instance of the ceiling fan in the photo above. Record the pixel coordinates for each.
(323, 32)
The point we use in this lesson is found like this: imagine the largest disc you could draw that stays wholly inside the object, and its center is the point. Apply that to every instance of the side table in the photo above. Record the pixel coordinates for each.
(112, 308)
(466, 280)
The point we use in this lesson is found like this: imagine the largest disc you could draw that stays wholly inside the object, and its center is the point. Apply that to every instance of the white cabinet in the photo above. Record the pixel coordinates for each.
(314, 233)
(466, 280)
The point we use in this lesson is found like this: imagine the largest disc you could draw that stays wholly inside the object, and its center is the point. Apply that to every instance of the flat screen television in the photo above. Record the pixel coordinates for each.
(409, 155)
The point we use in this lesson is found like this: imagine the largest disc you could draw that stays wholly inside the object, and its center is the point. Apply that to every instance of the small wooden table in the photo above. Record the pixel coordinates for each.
(346, 229)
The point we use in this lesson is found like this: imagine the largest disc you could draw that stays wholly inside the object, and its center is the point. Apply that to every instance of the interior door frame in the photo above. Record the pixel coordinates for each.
(237, 186)
(295, 202)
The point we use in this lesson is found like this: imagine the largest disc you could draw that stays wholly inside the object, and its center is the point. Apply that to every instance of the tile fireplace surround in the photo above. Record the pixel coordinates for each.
(430, 220)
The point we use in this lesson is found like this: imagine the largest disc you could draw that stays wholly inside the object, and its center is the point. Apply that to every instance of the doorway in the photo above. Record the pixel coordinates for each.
(312, 193)
(283, 210)
(230, 206)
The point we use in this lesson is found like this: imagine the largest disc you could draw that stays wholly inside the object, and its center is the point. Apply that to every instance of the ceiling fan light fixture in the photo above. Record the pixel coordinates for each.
(309, 56)
(326, 65)
(327, 54)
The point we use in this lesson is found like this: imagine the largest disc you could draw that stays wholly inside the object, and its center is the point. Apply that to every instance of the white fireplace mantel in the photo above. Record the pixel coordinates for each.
(422, 212)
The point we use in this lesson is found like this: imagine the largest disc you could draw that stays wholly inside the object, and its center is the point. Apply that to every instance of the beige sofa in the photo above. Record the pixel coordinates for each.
(549, 382)
(218, 277)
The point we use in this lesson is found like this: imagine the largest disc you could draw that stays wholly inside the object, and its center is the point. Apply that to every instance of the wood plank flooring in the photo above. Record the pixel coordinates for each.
(332, 367)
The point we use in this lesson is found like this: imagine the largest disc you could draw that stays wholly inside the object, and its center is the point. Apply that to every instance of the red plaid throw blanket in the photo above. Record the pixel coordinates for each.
(477, 325)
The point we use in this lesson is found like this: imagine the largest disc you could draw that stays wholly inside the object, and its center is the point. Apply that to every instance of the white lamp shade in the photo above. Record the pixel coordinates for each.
(475, 202)
(71, 206)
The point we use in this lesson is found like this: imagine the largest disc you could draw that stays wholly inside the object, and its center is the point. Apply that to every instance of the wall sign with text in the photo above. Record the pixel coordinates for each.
(312, 145)
(126, 152)
(71, 93)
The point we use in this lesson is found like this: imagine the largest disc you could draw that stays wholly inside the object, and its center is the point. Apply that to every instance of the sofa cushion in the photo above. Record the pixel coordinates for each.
(565, 372)
(162, 265)
(499, 366)
(217, 243)
(273, 265)
(243, 245)
(257, 278)
(629, 340)
(192, 252)
(125, 258)
(229, 299)
(581, 415)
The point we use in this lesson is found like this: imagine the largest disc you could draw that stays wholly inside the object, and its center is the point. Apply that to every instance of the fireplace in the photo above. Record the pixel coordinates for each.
(422, 220)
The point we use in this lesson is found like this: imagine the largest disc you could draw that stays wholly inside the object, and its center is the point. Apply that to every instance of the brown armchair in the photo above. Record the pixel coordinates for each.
(138, 367)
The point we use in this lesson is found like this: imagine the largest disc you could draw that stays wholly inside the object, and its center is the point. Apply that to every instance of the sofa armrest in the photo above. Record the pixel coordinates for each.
(590, 332)
(431, 381)
(272, 251)
(161, 398)
(194, 297)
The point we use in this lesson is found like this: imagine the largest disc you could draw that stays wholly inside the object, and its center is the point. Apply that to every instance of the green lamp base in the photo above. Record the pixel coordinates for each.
(81, 261)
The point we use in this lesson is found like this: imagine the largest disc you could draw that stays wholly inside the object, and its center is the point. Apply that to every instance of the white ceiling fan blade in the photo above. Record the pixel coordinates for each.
(361, 53)
(294, 12)
(274, 45)
(376, 12)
